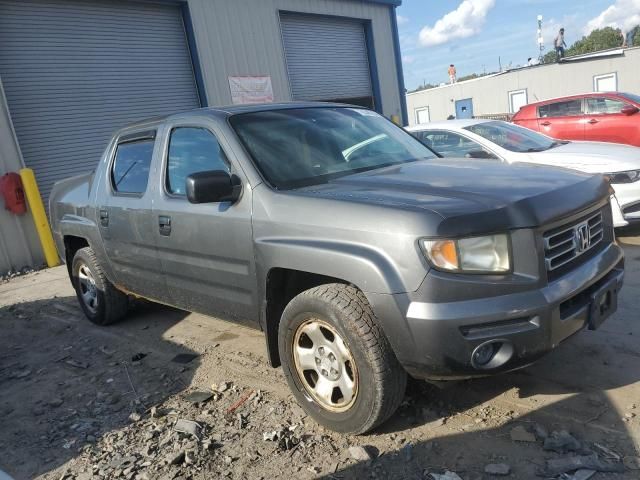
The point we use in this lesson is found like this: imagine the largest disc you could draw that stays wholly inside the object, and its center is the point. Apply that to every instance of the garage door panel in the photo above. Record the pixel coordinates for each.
(326, 58)
(75, 71)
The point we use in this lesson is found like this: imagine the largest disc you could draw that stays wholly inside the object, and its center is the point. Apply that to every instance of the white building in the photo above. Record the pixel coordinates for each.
(504, 93)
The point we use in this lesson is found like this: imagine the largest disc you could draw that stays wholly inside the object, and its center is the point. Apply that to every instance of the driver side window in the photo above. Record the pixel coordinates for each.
(192, 150)
(598, 105)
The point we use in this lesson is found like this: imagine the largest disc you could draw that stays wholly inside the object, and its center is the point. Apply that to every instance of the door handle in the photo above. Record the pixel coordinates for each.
(164, 224)
(593, 121)
(545, 124)
(104, 218)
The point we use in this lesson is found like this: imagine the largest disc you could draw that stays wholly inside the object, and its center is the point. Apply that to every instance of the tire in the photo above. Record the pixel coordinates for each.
(359, 359)
(100, 301)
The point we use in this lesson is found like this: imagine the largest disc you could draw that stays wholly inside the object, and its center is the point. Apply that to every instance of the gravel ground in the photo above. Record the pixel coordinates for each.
(170, 395)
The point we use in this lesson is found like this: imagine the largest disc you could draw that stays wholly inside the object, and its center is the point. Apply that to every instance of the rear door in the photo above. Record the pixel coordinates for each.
(564, 119)
(206, 250)
(605, 122)
(124, 216)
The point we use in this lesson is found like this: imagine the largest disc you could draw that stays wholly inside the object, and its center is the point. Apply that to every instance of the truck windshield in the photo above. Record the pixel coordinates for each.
(307, 146)
(513, 137)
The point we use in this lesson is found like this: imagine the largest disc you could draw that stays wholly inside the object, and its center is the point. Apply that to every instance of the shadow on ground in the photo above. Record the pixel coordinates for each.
(65, 382)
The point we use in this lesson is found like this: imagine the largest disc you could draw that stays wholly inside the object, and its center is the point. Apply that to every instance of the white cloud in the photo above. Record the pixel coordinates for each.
(551, 28)
(465, 21)
(402, 20)
(408, 59)
(623, 14)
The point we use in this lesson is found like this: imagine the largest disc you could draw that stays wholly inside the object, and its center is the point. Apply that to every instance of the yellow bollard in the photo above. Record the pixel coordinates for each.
(396, 119)
(39, 216)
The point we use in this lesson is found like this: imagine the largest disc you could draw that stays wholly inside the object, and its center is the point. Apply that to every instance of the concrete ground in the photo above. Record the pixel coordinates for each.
(68, 389)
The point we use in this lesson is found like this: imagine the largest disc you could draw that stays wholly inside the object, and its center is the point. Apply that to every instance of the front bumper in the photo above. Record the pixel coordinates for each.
(436, 340)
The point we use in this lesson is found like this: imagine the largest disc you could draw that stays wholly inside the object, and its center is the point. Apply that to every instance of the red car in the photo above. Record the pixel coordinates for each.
(604, 117)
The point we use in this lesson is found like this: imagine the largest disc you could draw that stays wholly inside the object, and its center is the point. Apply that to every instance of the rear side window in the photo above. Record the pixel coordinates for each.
(130, 171)
(561, 109)
(600, 105)
(192, 150)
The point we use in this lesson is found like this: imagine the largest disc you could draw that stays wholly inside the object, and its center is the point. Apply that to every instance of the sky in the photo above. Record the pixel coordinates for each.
(476, 35)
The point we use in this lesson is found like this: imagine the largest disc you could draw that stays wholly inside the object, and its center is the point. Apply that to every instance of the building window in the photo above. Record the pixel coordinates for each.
(607, 82)
(422, 115)
(517, 99)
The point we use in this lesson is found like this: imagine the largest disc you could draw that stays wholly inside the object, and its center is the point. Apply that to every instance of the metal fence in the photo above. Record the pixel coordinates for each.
(496, 116)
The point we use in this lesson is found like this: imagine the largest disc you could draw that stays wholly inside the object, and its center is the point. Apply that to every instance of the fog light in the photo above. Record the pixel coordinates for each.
(484, 354)
(492, 354)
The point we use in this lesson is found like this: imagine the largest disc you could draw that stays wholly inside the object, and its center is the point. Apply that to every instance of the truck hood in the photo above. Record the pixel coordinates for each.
(471, 196)
(592, 157)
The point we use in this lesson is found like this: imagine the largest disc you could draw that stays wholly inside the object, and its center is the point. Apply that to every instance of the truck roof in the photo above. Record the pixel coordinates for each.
(228, 110)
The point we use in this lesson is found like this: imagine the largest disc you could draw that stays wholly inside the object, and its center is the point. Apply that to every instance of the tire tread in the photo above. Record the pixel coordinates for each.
(116, 303)
(390, 377)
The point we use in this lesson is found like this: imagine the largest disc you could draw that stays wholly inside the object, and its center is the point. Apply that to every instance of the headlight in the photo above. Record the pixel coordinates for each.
(623, 177)
(488, 254)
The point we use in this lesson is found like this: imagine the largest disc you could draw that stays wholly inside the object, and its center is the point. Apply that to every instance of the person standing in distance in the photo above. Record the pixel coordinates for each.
(452, 73)
(560, 45)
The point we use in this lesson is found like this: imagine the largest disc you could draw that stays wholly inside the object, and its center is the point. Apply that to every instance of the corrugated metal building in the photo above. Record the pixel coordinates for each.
(502, 93)
(72, 71)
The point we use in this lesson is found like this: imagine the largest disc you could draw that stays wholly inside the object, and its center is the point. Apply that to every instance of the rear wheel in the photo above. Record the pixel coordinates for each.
(337, 361)
(100, 301)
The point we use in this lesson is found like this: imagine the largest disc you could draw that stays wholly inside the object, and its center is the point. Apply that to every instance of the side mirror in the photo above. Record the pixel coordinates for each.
(213, 186)
(629, 110)
(479, 154)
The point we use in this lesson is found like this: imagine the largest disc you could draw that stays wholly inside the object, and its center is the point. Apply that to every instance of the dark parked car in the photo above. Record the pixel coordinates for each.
(360, 254)
(604, 117)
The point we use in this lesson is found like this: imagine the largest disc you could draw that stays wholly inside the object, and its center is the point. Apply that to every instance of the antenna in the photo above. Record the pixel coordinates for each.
(540, 39)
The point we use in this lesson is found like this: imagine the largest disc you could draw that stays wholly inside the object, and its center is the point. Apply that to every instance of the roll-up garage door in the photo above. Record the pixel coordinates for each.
(326, 58)
(75, 71)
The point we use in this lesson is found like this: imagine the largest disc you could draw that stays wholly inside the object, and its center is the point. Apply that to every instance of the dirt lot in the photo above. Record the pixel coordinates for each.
(78, 401)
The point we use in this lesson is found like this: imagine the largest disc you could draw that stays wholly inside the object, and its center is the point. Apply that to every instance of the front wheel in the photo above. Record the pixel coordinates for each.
(337, 361)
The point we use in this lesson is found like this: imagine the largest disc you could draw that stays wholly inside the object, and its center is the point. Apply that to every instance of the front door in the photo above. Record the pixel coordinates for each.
(464, 108)
(125, 218)
(605, 121)
(206, 250)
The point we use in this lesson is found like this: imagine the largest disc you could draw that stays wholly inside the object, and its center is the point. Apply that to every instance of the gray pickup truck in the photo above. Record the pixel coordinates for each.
(360, 253)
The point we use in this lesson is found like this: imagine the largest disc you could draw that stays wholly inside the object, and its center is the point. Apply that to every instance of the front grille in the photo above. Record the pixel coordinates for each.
(566, 243)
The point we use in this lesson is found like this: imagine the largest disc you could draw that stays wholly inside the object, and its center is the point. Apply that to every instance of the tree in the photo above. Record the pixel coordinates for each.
(635, 37)
(425, 86)
(599, 39)
(549, 57)
(469, 77)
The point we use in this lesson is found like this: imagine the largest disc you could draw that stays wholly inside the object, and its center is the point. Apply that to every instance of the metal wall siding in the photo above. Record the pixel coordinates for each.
(75, 71)
(243, 37)
(19, 244)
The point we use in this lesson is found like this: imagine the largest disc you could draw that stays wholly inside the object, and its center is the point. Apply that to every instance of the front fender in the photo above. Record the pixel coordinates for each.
(369, 269)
